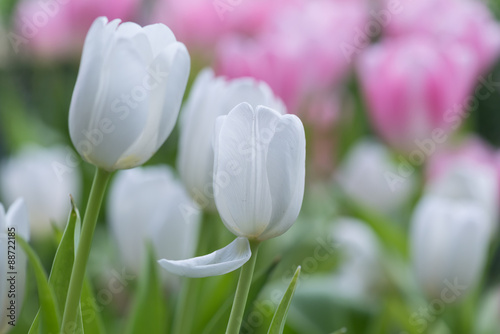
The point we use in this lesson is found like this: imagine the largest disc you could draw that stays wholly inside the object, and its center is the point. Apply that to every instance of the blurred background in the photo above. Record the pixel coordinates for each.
(400, 101)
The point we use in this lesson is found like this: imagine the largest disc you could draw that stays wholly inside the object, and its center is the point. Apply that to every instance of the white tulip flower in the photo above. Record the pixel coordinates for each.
(359, 270)
(473, 183)
(148, 204)
(369, 176)
(449, 244)
(12, 259)
(42, 177)
(128, 93)
(210, 98)
(259, 173)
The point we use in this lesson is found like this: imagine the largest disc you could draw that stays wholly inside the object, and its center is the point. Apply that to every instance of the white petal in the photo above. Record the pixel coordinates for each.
(242, 191)
(286, 174)
(220, 262)
(195, 166)
(171, 69)
(17, 216)
(159, 35)
(120, 109)
(3, 221)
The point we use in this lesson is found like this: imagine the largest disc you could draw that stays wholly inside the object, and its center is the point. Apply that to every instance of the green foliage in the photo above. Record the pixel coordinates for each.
(279, 319)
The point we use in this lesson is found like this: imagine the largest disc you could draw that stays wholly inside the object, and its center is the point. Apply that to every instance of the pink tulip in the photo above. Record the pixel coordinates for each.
(468, 22)
(299, 51)
(473, 151)
(200, 24)
(415, 89)
(57, 28)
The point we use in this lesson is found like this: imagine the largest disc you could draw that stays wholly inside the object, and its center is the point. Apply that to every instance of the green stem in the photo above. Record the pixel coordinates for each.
(240, 298)
(183, 322)
(101, 179)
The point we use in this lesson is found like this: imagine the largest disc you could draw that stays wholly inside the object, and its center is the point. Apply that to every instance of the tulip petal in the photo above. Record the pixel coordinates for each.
(286, 173)
(159, 35)
(244, 199)
(220, 262)
(120, 110)
(168, 78)
(3, 222)
(17, 216)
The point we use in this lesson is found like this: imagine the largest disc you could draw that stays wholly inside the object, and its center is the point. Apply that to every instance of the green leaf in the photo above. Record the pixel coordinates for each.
(92, 321)
(279, 319)
(149, 312)
(49, 314)
(60, 273)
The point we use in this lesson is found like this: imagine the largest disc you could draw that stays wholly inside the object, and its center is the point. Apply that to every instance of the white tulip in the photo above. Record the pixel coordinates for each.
(128, 92)
(211, 97)
(259, 173)
(148, 204)
(42, 177)
(359, 270)
(15, 222)
(369, 176)
(470, 182)
(449, 245)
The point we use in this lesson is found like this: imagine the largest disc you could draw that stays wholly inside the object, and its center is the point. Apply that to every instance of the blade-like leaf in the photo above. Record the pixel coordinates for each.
(149, 312)
(92, 321)
(49, 321)
(279, 319)
(60, 273)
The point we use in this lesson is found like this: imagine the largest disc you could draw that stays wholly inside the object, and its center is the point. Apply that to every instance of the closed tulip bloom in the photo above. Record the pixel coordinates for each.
(359, 271)
(150, 204)
(259, 171)
(15, 222)
(415, 89)
(468, 22)
(128, 93)
(42, 177)
(449, 245)
(369, 176)
(211, 97)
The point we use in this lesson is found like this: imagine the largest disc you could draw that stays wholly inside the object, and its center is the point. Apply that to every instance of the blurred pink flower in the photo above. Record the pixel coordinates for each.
(472, 150)
(297, 52)
(57, 29)
(468, 22)
(201, 23)
(414, 88)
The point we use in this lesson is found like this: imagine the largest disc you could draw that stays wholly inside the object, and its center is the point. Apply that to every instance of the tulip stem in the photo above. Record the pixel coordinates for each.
(240, 298)
(101, 179)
